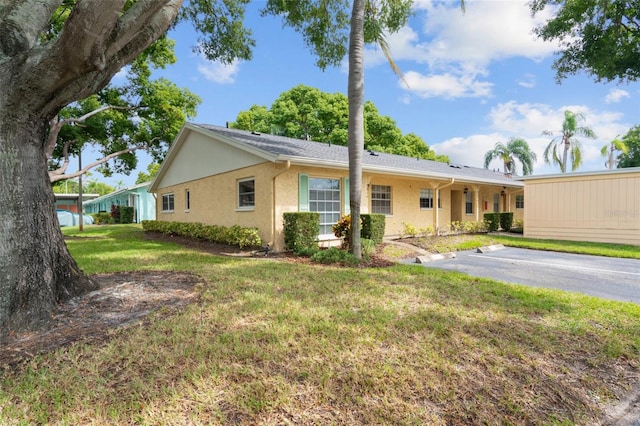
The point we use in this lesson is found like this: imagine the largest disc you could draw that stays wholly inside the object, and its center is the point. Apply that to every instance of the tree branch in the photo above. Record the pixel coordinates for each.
(53, 177)
(55, 125)
(22, 22)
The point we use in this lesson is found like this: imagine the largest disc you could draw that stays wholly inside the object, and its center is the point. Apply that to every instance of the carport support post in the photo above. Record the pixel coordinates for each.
(81, 220)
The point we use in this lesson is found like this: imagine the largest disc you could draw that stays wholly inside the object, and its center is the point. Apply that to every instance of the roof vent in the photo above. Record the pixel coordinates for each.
(371, 152)
(256, 133)
(454, 166)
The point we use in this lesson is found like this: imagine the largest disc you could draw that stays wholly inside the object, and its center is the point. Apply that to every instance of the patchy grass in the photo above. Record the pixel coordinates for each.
(275, 342)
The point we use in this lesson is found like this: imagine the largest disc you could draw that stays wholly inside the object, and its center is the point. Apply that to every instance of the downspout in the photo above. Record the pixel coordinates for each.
(273, 203)
(436, 216)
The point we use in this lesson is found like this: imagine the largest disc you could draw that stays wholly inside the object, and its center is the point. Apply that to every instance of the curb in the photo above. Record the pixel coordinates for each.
(439, 256)
(487, 249)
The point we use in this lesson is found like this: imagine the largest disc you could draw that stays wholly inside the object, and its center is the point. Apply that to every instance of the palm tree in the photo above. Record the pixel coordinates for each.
(609, 151)
(516, 148)
(567, 139)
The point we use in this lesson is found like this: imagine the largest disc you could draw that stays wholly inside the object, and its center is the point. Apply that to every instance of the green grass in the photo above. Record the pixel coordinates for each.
(274, 342)
(468, 242)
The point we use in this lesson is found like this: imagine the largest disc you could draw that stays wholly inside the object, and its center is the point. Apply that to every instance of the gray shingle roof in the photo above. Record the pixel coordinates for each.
(295, 149)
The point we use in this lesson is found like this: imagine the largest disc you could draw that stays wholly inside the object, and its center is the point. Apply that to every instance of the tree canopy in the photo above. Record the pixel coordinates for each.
(631, 158)
(565, 146)
(601, 37)
(304, 112)
(516, 148)
(138, 113)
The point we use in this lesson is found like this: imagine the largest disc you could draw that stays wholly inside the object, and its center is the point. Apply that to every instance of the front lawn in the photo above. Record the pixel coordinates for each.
(279, 342)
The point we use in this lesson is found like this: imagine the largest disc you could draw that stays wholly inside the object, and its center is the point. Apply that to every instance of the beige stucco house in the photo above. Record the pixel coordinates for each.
(602, 206)
(216, 175)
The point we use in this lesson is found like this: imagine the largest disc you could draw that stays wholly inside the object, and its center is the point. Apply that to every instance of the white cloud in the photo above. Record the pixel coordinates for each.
(218, 72)
(527, 120)
(528, 81)
(616, 95)
(448, 85)
(457, 48)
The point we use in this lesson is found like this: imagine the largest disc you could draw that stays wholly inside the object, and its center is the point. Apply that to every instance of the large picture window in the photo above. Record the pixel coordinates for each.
(324, 198)
(381, 199)
(167, 202)
(246, 194)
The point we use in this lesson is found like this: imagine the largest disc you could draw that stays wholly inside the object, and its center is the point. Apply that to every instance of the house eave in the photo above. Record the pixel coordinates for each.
(315, 162)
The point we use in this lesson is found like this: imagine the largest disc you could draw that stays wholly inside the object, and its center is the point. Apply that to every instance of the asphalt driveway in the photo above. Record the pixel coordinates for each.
(605, 277)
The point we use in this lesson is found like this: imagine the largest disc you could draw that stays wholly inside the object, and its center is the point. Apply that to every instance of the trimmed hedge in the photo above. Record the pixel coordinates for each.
(506, 219)
(235, 235)
(126, 214)
(301, 230)
(373, 226)
(493, 221)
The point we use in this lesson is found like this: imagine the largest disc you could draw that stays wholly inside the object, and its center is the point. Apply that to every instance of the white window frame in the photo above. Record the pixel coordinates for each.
(378, 203)
(239, 202)
(170, 203)
(329, 204)
(519, 201)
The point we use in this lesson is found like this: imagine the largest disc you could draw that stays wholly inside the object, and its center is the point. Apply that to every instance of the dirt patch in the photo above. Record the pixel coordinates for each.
(122, 299)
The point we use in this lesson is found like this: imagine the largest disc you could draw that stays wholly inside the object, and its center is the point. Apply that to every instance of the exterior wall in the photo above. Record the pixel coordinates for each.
(213, 200)
(145, 203)
(601, 207)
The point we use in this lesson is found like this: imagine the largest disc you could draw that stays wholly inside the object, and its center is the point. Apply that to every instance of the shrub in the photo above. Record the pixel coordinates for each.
(409, 229)
(301, 230)
(427, 231)
(373, 227)
(126, 214)
(493, 221)
(334, 255)
(115, 213)
(506, 219)
(102, 218)
(342, 229)
(517, 227)
(368, 247)
(235, 235)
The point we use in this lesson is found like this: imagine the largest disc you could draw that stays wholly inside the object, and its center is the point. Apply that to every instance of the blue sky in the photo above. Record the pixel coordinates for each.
(473, 79)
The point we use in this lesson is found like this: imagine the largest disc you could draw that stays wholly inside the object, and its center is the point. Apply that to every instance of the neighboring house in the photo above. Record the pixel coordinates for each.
(221, 176)
(602, 206)
(137, 196)
(69, 202)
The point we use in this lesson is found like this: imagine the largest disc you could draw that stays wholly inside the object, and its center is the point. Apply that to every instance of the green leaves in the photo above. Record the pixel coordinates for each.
(601, 37)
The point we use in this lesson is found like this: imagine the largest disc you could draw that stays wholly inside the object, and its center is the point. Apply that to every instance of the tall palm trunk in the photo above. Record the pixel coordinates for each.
(36, 268)
(356, 120)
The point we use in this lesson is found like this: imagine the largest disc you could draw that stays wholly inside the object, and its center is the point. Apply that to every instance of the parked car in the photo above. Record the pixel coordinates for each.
(67, 218)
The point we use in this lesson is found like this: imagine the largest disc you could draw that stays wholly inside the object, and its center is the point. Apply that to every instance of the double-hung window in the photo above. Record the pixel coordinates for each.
(167, 203)
(324, 198)
(468, 202)
(520, 201)
(426, 198)
(381, 199)
(246, 194)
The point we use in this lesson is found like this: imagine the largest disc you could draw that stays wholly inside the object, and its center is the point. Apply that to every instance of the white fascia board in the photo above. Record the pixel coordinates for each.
(396, 172)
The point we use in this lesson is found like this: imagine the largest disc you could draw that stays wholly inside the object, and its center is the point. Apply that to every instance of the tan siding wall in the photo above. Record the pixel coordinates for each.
(599, 207)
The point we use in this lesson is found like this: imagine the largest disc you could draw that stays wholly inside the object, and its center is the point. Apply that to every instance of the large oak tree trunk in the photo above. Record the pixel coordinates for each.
(36, 269)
